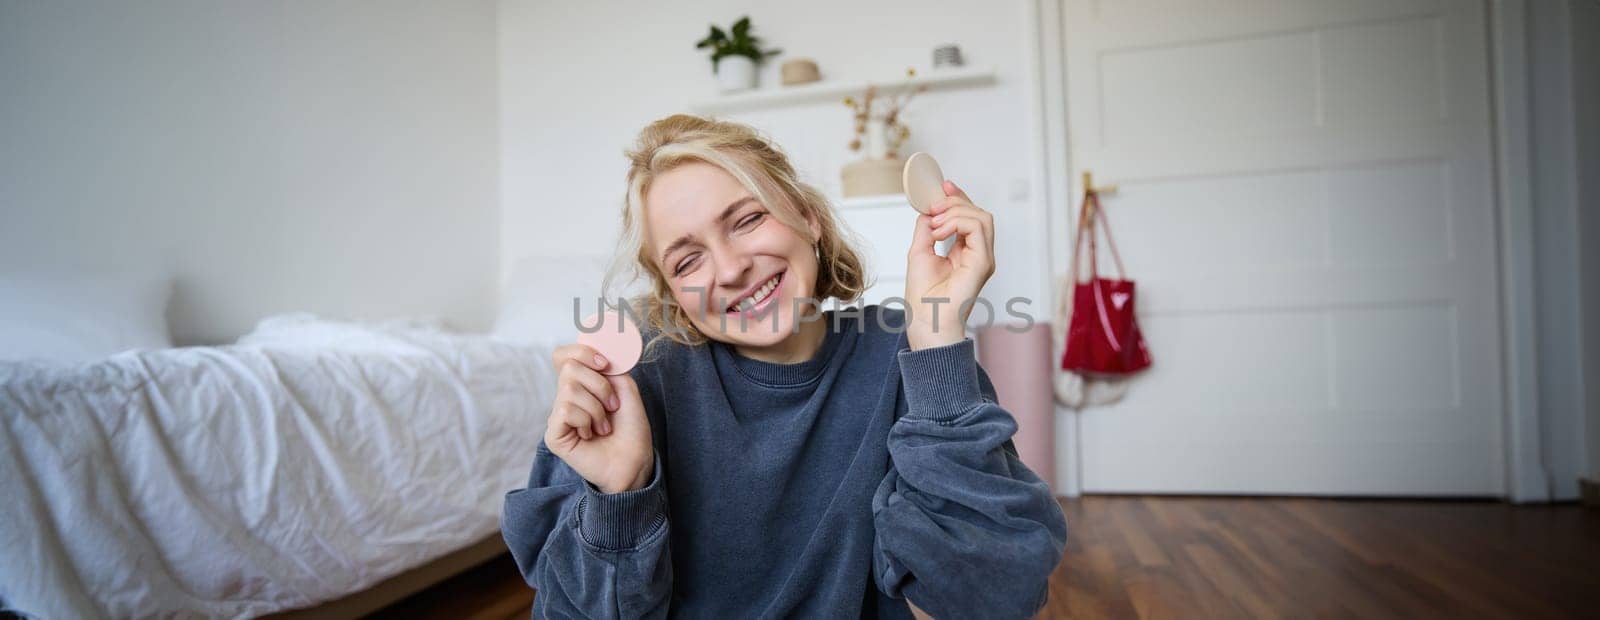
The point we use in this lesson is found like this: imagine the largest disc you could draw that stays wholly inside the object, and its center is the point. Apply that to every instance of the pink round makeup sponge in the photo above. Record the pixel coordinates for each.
(617, 339)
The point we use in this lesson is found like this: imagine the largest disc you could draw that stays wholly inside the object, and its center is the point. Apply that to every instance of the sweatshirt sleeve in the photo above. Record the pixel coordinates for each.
(589, 554)
(963, 528)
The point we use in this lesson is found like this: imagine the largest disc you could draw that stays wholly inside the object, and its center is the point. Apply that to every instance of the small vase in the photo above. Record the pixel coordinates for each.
(736, 73)
(877, 144)
(876, 174)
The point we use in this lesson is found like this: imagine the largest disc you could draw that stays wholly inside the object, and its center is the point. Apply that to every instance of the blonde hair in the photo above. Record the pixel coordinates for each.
(765, 172)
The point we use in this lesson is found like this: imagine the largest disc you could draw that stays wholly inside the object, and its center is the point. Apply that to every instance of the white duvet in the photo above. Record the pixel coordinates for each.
(310, 460)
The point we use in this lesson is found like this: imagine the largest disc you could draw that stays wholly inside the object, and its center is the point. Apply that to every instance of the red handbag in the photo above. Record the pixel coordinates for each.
(1103, 337)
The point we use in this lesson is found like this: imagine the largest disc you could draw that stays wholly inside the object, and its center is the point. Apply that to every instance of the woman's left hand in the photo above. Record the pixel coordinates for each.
(947, 285)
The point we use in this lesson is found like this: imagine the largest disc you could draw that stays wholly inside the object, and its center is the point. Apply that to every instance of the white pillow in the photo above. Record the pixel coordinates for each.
(81, 317)
(304, 330)
(536, 306)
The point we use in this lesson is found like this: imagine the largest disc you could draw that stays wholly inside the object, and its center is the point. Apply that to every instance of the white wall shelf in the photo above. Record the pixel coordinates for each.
(782, 96)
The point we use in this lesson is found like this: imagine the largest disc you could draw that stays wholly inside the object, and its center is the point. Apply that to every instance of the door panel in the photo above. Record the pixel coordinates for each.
(1305, 200)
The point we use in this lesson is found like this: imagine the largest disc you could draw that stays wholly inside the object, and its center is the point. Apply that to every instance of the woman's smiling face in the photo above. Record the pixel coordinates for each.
(726, 257)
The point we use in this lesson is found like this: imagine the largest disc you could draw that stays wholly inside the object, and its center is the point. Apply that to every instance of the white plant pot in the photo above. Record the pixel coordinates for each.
(877, 138)
(736, 73)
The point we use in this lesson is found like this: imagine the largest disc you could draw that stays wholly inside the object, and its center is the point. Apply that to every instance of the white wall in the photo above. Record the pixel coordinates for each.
(1565, 90)
(1556, 247)
(331, 157)
(572, 99)
(1585, 27)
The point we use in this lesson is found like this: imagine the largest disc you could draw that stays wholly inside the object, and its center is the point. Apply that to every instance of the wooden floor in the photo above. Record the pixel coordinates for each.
(1182, 557)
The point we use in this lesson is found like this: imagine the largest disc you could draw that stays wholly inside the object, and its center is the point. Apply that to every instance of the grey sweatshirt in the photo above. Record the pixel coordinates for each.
(835, 487)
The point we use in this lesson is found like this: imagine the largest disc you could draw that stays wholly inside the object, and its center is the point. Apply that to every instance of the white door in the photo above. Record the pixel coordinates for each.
(1306, 203)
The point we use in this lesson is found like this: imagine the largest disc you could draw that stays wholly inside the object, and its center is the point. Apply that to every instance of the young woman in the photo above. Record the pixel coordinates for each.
(767, 458)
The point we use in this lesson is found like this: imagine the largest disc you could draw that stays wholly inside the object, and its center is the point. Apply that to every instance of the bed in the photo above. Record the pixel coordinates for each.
(298, 467)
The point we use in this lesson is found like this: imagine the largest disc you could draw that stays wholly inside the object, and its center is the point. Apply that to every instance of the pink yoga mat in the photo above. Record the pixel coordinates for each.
(1019, 366)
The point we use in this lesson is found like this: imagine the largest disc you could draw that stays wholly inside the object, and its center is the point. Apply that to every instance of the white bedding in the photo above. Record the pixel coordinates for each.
(311, 460)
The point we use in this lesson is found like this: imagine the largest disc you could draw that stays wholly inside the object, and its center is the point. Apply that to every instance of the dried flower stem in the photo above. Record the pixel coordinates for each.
(897, 132)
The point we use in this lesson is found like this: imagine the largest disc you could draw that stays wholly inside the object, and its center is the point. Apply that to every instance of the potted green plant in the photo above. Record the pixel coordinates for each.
(734, 58)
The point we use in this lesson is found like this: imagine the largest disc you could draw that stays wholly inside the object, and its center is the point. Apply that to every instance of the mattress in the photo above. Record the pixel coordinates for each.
(309, 460)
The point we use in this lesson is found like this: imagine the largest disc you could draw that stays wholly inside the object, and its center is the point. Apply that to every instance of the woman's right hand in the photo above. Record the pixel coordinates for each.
(597, 424)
